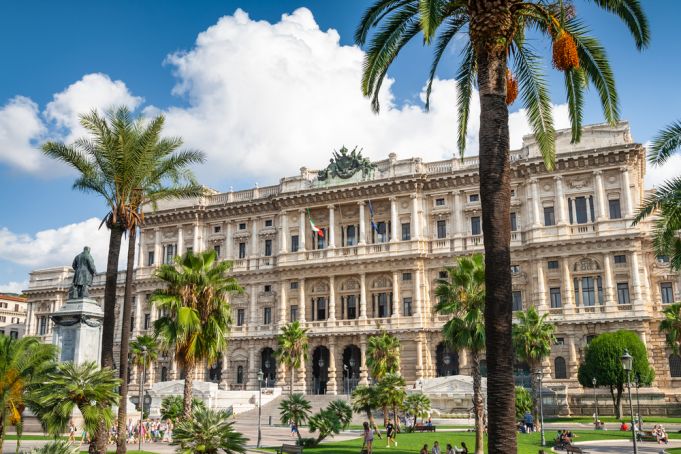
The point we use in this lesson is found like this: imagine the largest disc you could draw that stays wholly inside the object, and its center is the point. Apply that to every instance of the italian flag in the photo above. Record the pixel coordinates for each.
(314, 228)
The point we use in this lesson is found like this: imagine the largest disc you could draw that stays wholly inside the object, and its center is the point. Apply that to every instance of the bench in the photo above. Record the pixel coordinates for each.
(421, 428)
(574, 449)
(290, 449)
(646, 435)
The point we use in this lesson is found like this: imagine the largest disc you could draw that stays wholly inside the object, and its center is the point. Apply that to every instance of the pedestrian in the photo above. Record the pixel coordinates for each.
(294, 429)
(391, 434)
(368, 438)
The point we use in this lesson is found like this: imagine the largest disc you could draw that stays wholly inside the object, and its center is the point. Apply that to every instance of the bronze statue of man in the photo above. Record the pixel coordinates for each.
(84, 267)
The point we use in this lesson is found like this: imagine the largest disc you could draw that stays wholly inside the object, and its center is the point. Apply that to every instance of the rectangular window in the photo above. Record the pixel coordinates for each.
(294, 243)
(588, 291)
(13, 334)
(442, 275)
(406, 276)
(560, 341)
(267, 316)
(170, 253)
(240, 317)
(42, 325)
(441, 229)
(217, 229)
(381, 232)
(190, 250)
(383, 305)
(242, 226)
(150, 258)
(474, 198)
(268, 288)
(439, 202)
(667, 292)
(242, 250)
(132, 323)
(268, 223)
(475, 225)
(589, 338)
(351, 306)
(294, 313)
(515, 269)
(147, 321)
(549, 216)
(662, 259)
(3, 318)
(406, 304)
(575, 282)
(321, 309)
(406, 232)
(321, 239)
(623, 293)
(553, 264)
(517, 301)
(514, 222)
(620, 259)
(268, 248)
(351, 235)
(216, 248)
(615, 211)
(294, 285)
(556, 302)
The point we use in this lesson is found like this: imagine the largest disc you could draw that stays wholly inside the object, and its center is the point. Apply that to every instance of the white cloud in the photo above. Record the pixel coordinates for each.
(13, 287)
(20, 126)
(58, 247)
(656, 175)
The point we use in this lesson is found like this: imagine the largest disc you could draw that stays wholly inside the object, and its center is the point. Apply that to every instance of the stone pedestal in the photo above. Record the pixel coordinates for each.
(78, 330)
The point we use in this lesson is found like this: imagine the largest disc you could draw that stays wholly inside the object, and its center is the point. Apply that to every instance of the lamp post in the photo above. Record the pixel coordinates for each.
(540, 375)
(144, 370)
(595, 382)
(260, 375)
(446, 360)
(320, 363)
(627, 363)
(346, 379)
(638, 402)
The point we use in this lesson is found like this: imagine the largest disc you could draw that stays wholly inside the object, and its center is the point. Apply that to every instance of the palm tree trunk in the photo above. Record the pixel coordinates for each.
(188, 391)
(3, 418)
(478, 403)
(490, 26)
(121, 446)
(293, 374)
(20, 431)
(534, 385)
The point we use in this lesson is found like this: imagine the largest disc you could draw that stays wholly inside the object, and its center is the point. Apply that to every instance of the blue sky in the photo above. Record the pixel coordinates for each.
(48, 47)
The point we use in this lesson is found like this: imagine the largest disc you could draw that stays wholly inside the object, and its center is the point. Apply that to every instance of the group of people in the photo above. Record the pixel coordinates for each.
(660, 434)
(151, 431)
(565, 437)
(450, 449)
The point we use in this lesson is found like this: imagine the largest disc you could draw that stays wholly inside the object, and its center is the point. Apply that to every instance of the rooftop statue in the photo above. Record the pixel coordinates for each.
(345, 164)
(84, 267)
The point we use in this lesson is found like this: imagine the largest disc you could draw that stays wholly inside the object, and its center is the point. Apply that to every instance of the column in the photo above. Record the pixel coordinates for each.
(415, 233)
(635, 277)
(572, 362)
(283, 301)
(609, 289)
(362, 224)
(332, 299)
(158, 250)
(626, 193)
(393, 219)
(574, 210)
(600, 196)
(456, 214)
(180, 240)
(302, 303)
(254, 238)
(363, 372)
(417, 292)
(362, 296)
(140, 250)
(283, 233)
(332, 226)
(252, 381)
(419, 358)
(195, 244)
(397, 310)
(536, 219)
(541, 285)
(301, 230)
(331, 385)
(229, 241)
(568, 295)
(561, 214)
(254, 306)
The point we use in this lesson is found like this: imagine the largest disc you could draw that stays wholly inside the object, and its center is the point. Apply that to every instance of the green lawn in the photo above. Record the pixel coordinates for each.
(589, 419)
(411, 443)
(33, 437)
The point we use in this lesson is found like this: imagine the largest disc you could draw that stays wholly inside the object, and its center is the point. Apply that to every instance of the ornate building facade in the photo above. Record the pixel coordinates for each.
(12, 315)
(385, 235)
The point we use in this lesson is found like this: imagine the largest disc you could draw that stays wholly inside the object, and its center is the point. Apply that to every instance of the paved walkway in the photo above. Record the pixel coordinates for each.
(625, 447)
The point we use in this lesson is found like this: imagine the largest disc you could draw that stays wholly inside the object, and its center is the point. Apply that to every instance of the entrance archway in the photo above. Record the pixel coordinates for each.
(320, 370)
(351, 364)
(268, 365)
(447, 361)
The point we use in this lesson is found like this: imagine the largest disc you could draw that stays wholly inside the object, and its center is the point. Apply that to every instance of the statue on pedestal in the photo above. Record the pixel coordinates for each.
(84, 267)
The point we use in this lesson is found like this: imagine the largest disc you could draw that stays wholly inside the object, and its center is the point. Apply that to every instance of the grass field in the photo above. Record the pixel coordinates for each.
(589, 419)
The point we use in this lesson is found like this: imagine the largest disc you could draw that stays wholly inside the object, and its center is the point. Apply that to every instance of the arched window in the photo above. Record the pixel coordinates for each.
(675, 366)
(559, 368)
(240, 375)
(164, 374)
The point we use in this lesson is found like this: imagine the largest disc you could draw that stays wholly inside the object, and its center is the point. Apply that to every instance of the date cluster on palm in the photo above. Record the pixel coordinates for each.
(565, 52)
(511, 88)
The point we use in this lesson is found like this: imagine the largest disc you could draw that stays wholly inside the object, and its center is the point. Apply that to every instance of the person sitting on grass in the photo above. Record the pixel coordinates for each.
(464, 448)
(424, 450)
(624, 426)
(436, 448)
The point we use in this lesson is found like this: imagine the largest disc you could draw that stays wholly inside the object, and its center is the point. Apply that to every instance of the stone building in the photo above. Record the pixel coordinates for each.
(12, 315)
(388, 231)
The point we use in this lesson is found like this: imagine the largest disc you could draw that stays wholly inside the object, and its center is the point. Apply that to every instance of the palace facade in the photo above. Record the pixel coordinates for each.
(388, 233)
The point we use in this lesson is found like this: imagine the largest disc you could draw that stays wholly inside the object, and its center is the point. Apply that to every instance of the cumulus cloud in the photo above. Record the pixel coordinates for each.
(13, 287)
(20, 126)
(57, 247)
(657, 175)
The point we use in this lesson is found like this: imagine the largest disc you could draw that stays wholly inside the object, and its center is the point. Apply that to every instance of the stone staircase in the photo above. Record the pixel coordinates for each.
(271, 409)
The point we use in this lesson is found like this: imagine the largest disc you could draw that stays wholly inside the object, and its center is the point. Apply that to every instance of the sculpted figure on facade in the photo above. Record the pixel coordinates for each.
(345, 164)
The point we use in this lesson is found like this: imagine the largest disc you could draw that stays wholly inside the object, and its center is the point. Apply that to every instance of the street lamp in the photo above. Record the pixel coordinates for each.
(347, 380)
(638, 402)
(144, 371)
(595, 382)
(540, 375)
(260, 375)
(446, 360)
(627, 363)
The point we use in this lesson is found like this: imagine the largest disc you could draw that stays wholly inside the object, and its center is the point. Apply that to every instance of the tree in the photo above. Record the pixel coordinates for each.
(671, 327)
(56, 447)
(523, 402)
(492, 33)
(417, 404)
(602, 361)
(365, 400)
(138, 356)
(23, 364)
(666, 200)
(208, 432)
(198, 315)
(383, 355)
(462, 296)
(292, 346)
(172, 407)
(295, 409)
(391, 396)
(343, 411)
(532, 340)
(84, 386)
(327, 423)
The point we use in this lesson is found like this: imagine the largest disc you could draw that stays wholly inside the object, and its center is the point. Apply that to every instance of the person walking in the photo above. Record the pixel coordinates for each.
(391, 435)
(368, 438)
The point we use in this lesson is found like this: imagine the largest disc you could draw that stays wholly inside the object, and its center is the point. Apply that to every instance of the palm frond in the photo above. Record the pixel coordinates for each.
(632, 15)
(452, 26)
(665, 143)
(374, 14)
(574, 86)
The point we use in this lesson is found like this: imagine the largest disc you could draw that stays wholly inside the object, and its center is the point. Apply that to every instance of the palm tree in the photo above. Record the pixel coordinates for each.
(666, 200)
(295, 409)
(532, 338)
(143, 352)
(671, 327)
(365, 400)
(84, 386)
(391, 396)
(417, 404)
(383, 355)
(342, 410)
(173, 406)
(56, 447)
(292, 346)
(198, 315)
(462, 296)
(23, 364)
(493, 36)
(208, 432)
